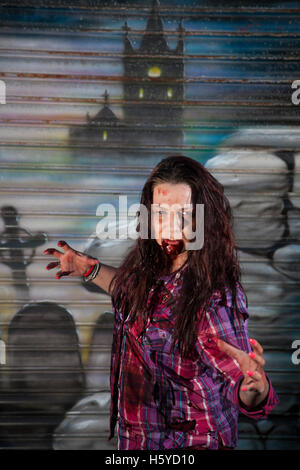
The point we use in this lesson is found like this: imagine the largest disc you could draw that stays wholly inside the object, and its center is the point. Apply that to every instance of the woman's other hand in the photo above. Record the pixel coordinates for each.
(71, 262)
(255, 386)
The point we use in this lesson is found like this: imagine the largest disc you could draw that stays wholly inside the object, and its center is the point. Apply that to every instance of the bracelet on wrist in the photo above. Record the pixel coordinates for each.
(89, 271)
(92, 273)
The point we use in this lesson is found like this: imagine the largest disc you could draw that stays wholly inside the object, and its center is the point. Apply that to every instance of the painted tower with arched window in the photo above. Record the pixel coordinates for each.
(153, 84)
(153, 94)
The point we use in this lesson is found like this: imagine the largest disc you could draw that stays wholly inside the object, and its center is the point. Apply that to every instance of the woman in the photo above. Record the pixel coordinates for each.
(182, 365)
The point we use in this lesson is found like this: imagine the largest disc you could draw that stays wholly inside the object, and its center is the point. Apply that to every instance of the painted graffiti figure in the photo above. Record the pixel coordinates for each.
(182, 364)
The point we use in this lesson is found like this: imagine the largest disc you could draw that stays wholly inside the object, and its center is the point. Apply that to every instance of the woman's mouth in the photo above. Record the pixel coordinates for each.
(172, 247)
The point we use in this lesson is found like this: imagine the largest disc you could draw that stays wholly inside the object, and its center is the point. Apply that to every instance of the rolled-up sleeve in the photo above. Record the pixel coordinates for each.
(230, 325)
(263, 408)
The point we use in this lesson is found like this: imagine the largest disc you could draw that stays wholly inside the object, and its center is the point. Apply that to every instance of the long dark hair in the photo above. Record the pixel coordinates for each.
(213, 267)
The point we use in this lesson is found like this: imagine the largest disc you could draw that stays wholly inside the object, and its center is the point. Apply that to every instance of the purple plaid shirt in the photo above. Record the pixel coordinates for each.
(162, 401)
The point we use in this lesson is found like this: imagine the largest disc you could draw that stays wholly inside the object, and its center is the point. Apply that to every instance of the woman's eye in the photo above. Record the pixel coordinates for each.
(180, 213)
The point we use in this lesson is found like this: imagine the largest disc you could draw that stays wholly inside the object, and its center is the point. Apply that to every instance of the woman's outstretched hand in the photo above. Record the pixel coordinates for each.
(71, 262)
(255, 386)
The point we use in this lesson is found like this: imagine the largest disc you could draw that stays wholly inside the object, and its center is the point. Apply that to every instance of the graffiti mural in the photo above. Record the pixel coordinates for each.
(96, 95)
(268, 245)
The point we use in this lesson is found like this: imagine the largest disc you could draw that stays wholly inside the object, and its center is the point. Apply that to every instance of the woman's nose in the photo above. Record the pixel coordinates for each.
(175, 227)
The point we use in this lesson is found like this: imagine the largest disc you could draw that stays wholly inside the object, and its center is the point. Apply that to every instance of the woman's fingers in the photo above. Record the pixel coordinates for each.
(258, 359)
(254, 374)
(254, 382)
(92, 261)
(59, 274)
(71, 261)
(228, 349)
(54, 252)
(64, 245)
(241, 356)
(53, 265)
(258, 349)
(257, 352)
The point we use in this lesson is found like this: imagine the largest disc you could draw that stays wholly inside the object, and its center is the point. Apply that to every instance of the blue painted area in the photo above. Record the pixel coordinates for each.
(81, 29)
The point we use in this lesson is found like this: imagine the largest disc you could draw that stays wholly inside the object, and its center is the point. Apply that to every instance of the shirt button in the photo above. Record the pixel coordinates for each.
(155, 318)
(189, 403)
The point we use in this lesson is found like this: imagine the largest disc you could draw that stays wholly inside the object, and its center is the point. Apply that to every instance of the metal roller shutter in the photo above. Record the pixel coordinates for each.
(97, 93)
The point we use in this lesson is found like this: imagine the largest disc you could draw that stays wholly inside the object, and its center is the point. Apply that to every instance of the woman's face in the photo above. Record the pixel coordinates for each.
(170, 216)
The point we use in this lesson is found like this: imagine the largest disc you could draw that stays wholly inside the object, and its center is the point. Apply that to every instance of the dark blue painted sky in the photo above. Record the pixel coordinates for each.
(234, 37)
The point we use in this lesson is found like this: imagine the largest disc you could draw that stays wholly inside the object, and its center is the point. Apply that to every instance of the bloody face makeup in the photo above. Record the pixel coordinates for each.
(172, 247)
(169, 200)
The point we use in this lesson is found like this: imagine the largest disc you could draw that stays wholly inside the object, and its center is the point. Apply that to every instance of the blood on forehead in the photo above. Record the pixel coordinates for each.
(164, 192)
(172, 194)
